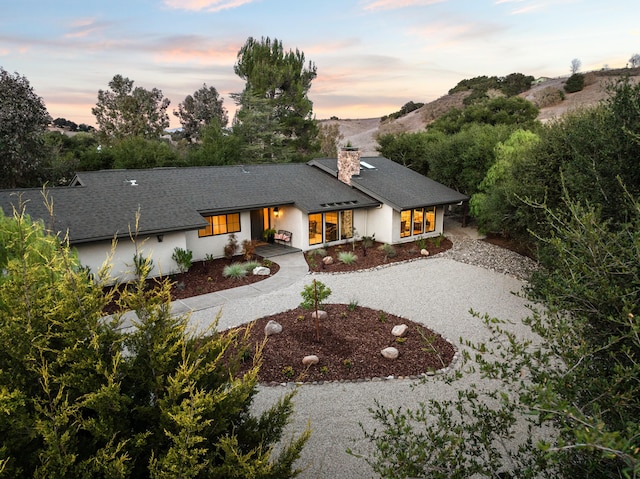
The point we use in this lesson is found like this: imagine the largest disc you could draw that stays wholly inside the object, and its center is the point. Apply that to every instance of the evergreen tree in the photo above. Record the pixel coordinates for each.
(82, 397)
(275, 96)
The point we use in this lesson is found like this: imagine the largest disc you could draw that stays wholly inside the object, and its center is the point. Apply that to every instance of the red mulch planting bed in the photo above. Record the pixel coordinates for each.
(374, 256)
(206, 277)
(350, 345)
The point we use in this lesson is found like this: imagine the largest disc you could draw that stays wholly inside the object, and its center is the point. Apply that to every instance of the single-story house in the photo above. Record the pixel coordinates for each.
(324, 201)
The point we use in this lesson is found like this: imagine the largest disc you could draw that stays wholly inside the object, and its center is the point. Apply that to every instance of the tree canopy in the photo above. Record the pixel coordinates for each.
(274, 120)
(23, 121)
(124, 111)
(199, 110)
(81, 396)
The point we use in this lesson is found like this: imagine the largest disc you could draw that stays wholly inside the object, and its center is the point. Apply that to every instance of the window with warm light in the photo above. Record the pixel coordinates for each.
(221, 224)
(330, 226)
(417, 221)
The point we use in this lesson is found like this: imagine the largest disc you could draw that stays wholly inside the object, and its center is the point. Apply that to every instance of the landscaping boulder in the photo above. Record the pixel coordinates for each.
(424, 252)
(327, 260)
(261, 271)
(322, 315)
(399, 330)
(272, 327)
(310, 360)
(390, 353)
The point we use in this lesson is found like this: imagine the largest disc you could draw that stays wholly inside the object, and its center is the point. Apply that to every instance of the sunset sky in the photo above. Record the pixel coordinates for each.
(372, 56)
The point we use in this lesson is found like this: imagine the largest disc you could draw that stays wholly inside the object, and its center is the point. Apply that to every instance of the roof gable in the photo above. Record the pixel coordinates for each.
(394, 184)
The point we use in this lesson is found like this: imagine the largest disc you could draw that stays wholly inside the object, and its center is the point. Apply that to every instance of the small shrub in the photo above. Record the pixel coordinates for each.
(347, 363)
(312, 262)
(347, 257)
(317, 252)
(401, 340)
(300, 318)
(267, 263)
(248, 249)
(367, 242)
(231, 247)
(437, 241)
(324, 370)
(142, 266)
(288, 372)
(249, 266)
(208, 257)
(382, 317)
(388, 250)
(574, 83)
(313, 295)
(420, 242)
(353, 304)
(234, 270)
(183, 258)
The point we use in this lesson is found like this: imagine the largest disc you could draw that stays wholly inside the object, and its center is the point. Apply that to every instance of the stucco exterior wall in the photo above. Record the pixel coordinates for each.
(94, 255)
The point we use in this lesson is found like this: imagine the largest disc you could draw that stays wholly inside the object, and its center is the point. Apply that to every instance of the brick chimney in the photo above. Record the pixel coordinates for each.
(348, 164)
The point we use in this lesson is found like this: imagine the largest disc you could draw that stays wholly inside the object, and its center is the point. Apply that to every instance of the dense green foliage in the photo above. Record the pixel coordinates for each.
(459, 160)
(574, 83)
(565, 401)
(81, 396)
(124, 111)
(495, 111)
(23, 120)
(406, 109)
(479, 87)
(274, 121)
(199, 110)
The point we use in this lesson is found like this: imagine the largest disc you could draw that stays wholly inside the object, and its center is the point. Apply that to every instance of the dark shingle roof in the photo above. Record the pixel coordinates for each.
(102, 204)
(394, 184)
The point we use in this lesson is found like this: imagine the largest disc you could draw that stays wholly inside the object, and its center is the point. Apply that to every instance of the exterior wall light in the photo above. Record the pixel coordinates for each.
(276, 212)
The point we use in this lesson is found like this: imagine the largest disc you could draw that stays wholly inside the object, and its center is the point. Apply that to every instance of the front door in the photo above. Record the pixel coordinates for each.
(257, 224)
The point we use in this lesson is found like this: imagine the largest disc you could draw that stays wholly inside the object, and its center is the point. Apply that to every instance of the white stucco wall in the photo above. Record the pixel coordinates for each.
(379, 222)
(94, 255)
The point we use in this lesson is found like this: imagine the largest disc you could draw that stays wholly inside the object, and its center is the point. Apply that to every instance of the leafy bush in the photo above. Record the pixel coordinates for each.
(388, 250)
(347, 257)
(249, 266)
(234, 270)
(142, 265)
(248, 249)
(183, 258)
(231, 247)
(366, 243)
(574, 83)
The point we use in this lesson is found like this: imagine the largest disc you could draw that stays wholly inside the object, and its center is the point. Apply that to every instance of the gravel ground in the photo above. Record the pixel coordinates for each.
(438, 292)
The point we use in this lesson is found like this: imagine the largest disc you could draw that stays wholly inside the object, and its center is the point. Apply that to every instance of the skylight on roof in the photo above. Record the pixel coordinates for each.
(366, 165)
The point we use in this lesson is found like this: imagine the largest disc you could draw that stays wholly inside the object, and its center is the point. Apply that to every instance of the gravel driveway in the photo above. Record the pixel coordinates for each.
(438, 292)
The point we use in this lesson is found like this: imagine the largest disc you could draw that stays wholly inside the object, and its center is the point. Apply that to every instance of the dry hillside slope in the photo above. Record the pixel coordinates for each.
(362, 133)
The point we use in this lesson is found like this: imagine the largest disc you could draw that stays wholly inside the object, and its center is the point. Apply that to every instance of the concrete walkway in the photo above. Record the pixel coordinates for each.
(293, 266)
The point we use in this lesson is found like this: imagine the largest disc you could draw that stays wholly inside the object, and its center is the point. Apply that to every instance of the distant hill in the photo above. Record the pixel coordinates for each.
(362, 133)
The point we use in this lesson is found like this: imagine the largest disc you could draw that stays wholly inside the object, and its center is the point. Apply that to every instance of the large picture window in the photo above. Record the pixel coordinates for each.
(417, 221)
(330, 226)
(221, 224)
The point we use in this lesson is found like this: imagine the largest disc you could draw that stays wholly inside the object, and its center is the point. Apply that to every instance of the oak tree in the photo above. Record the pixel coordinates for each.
(23, 122)
(124, 111)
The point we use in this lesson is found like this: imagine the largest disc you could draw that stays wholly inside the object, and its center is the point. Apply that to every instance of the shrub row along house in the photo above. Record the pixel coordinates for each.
(324, 201)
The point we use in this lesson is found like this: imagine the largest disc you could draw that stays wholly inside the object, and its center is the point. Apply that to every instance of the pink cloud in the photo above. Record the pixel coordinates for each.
(83, 28)
(396, 4)
(208, 5)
